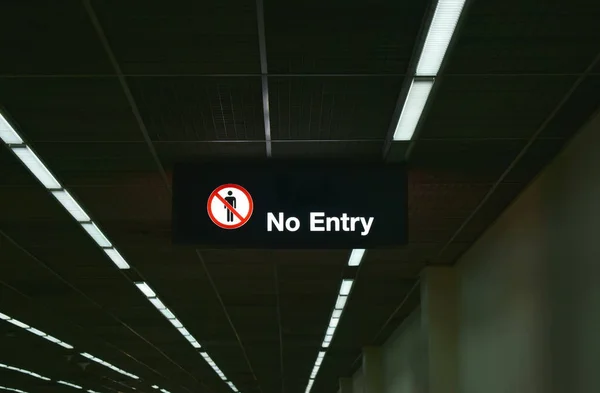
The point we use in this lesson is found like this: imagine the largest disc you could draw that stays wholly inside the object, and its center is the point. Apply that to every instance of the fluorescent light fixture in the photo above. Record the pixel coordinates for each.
(37, 168)
(443, 24)
(8, 133)
(4, 317)
(51, 339)
(96, 234)
(157, 303)
(346, 286)
(71, 205)
(175, 322)
(36, 332)
(118, 260)
(356, 256)
(145, 288)
(70, 384)
(87, 355)
(184, 331)
(232, 386)
(333, 322)
(11, 389)
(413, 108)
(321, 355)
(167, 313)
(330, 330)
(341, 302)
(336, 314)
(192, 341)
(65, 345)
(18, 323)
(154, 387)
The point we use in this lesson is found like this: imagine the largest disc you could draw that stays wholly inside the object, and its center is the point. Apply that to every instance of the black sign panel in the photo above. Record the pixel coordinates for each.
(290, 205)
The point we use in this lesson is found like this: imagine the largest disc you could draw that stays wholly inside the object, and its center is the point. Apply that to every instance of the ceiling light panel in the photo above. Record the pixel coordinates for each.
(443, 24)
(117, 259)
(346, 287)
(413, 108)
(96, 234)
(145, 289)
(8, 133)
(71, 205)
(356, 257)
(36, 167)
(24, 371)
(69, 384)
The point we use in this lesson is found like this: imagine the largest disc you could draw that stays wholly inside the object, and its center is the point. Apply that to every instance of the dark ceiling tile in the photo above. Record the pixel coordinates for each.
(171, 153)
(341, 36)
(200, 109)
(521, 36)
(492, 106)
(580, 107)
(49, 38)
(343, 149)
(66, 110)
(185, 38)
(539, 154)
(332, 107)
(397, 152)
(462, 161)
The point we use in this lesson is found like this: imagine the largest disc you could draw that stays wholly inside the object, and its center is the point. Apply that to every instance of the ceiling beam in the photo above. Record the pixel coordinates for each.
(264, 70)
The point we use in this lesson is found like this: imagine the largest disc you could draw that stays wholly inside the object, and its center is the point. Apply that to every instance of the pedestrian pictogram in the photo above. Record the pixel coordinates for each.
(230, 206)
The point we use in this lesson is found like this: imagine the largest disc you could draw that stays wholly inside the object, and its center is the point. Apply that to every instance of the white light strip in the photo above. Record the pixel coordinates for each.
(412, 110)
(23, 371)
(12, 389)
(96, 234)
(37, 168)
(71, 205)
(8, 133)
(346, 287)
(69, 384)
(117, 259)
(145, 289)
(107, 364)
(356, 257)
(443, 24)
(35, 331)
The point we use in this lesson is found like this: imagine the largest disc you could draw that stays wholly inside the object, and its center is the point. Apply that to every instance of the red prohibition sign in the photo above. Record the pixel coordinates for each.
(229, 207)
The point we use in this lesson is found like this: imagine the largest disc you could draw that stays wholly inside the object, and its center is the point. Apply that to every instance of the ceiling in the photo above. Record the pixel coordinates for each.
(111, 94)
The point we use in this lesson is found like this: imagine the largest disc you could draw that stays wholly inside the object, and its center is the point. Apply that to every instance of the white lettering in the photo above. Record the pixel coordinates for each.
(295, 226)
(366, 225)
(321, 223)
(333, 221)
(315, 218)
(271, 220)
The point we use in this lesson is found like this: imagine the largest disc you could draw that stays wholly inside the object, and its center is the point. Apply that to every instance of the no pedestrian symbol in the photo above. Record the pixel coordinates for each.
(230, 206)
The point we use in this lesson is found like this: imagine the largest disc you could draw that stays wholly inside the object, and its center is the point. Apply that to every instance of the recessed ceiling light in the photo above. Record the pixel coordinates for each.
(36, 332)
(118, 260)
(145, 288)
(157, 303)
(167, 313)
(443, 24)
(96, 234)
(71, 205)
(18, 323)
(341, 302)
(356, 257)
(176, 322)
(8, 133)
(413, 108)
(37, 168)
(346, 287)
